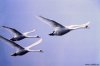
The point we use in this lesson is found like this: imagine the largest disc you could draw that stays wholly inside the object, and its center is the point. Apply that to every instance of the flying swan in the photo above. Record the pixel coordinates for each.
(59, 29)
(22, 50)
(19, 36)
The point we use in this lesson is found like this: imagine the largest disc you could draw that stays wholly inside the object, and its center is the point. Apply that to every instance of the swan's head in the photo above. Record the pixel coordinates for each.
(41, 50)
(37, 36)
(87, 26)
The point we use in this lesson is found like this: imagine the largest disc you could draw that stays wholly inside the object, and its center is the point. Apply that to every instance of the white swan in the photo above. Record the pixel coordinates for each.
(19, 36)
(22, 50)
(59, 29)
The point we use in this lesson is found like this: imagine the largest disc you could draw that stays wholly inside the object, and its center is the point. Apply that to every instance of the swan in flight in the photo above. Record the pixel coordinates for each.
(22, 50)
(59, 29)
(19, 36)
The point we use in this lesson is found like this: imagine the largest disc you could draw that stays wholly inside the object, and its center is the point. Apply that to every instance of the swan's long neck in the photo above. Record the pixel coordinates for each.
(36, 36)
(78, 26)
(34, 50)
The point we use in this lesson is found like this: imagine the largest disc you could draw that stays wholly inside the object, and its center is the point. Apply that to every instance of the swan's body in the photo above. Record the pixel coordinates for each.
(19, 36)
(59, 29)
(60, 32)
(20, 53)
(22, 50)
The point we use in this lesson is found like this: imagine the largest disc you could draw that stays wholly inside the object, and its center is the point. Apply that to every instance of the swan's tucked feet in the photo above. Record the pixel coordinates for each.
(12, 39)
(51, 34)
(14, 54)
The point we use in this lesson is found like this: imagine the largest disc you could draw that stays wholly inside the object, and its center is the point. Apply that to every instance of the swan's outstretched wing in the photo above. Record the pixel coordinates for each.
(34, 44)
(17, 33)
(11, 42)
(50, 22)
(26, 33)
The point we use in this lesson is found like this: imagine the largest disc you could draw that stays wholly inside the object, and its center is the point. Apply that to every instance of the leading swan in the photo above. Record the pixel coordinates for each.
(22, 50)
(59, 29)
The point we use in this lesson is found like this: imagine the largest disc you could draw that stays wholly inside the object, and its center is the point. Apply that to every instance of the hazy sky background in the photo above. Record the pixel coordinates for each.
(76, 48)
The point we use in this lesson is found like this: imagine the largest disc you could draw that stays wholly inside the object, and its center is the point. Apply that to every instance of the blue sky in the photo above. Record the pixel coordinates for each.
(76, 48)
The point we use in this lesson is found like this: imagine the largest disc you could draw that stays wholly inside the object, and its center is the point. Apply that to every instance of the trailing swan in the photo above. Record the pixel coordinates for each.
(59, 29)
(22, 50)
(19, 36)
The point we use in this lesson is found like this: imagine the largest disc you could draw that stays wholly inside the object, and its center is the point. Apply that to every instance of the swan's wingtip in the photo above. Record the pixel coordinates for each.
(3, 26)
(1, 36)
(38, 16)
